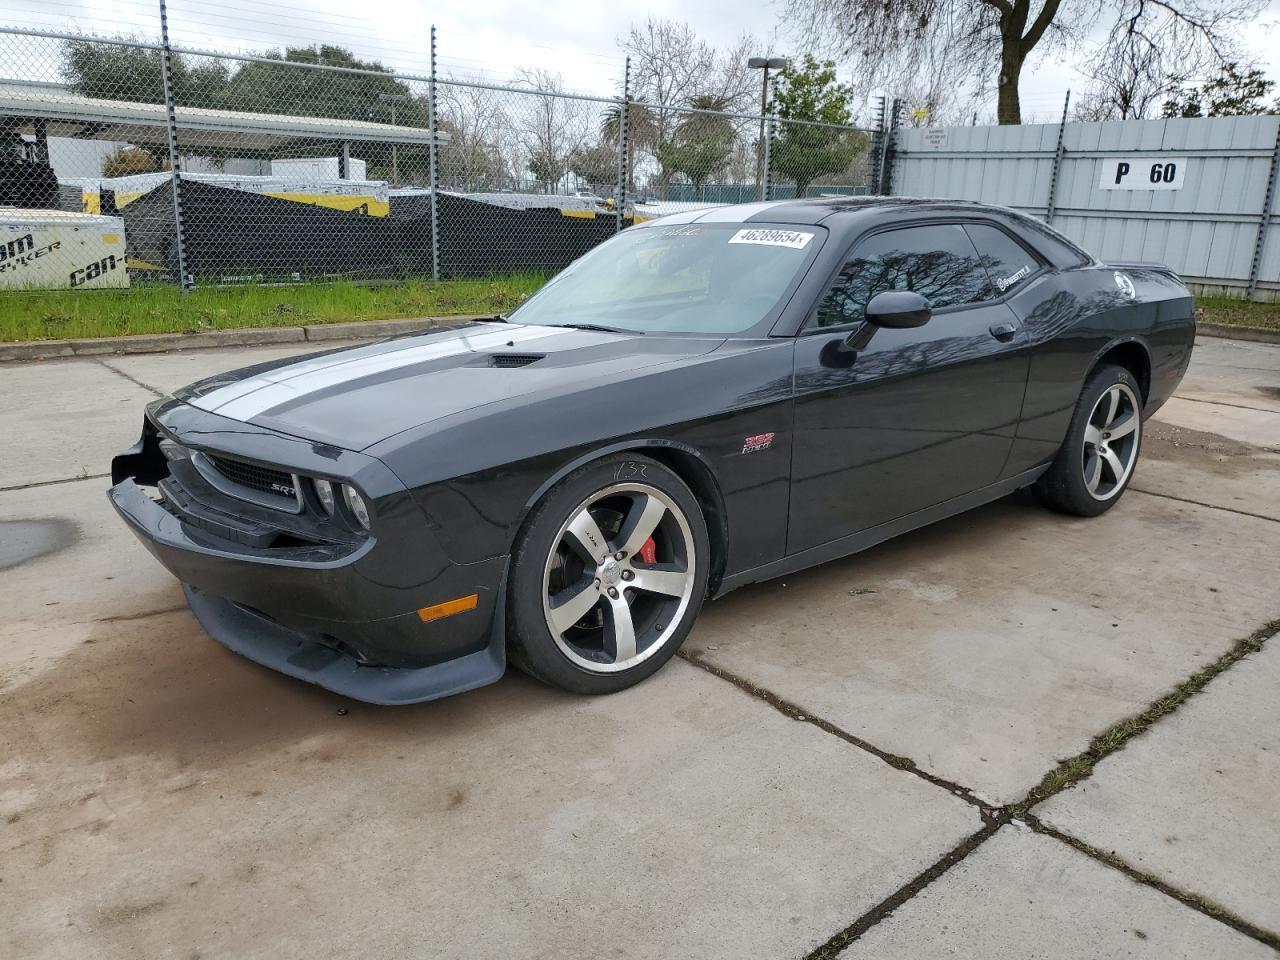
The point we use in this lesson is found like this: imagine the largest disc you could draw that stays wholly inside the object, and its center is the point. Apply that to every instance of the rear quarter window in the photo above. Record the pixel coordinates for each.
(1009, 264)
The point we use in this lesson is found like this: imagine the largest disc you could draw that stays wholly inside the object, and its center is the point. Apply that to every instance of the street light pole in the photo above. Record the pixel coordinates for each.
(765, 64)
(393, 99)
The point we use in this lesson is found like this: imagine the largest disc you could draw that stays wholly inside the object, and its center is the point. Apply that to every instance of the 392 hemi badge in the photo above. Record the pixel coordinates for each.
(761, 441)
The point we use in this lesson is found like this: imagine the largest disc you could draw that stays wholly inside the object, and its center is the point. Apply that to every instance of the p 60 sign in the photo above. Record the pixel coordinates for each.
(1142, 173)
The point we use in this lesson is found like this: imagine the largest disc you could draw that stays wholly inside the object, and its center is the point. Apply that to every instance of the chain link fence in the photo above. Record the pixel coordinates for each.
(132, 161)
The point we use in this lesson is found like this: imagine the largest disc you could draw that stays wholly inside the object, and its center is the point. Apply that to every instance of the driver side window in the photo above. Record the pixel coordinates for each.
(937, 261)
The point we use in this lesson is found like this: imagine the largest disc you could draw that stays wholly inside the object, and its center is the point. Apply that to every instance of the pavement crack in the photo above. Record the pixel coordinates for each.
(1071, 771)
(50, 483)
(1201, 503)
(132, 379)
(793, 711)
(1224, 403)
(1204, 905)
(884, 909)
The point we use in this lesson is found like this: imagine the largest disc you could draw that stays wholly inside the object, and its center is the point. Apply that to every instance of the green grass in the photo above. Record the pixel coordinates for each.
(1072, 770)
(73, 314)
(1233, 312)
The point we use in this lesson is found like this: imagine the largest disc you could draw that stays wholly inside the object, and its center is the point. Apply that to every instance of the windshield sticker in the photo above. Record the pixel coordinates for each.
(773, 238)
(1004, 283)
(686, 231)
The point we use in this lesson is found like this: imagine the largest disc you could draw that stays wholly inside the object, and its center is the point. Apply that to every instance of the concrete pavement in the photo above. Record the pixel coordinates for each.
(841, 774)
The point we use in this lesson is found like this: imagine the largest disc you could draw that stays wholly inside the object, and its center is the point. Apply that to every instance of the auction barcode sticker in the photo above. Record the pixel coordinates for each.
(794, 239)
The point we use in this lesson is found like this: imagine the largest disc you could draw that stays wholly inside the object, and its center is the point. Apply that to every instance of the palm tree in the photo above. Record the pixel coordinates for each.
(642, 130)
(710, 124)
(700, 143)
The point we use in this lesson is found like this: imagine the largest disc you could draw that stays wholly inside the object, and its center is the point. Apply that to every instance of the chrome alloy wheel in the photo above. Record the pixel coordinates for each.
(1111, 441)
(619, 577)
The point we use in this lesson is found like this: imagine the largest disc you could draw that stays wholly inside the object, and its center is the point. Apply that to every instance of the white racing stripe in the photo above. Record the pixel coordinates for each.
(254, 396)
(738, 213)
(734, 213)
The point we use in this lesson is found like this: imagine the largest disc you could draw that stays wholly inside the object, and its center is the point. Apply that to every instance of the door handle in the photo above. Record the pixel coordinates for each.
(1004, 332)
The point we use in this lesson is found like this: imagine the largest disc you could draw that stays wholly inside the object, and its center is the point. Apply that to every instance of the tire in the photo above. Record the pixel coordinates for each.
(1096, 462)
(563, 625)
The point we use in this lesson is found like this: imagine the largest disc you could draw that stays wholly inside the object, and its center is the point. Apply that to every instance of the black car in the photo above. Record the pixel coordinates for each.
(702, 402)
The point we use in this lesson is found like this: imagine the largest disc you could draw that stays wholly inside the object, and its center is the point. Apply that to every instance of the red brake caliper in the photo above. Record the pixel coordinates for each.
(649, 552)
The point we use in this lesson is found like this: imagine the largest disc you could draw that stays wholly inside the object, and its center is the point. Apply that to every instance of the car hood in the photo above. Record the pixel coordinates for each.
(357, 396)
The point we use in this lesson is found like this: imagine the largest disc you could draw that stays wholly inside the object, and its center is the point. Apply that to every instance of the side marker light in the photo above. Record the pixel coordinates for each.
(447, 609)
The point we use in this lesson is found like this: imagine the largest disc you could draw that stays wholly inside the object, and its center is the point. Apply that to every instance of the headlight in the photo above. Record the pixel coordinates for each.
(324, 493)
(357, 505)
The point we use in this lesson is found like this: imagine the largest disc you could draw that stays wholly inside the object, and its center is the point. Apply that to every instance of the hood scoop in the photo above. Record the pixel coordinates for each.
(515, 359)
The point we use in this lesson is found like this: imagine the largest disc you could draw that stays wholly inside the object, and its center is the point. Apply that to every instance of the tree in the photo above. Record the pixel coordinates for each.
(669, 65)
(109, 71)
(475, 156)
(1127, 83)
(672, 68)
(642, 131)
(696, 161)
(279, 87)
(597, 165)
(808, 92)
(701, 142)
(552, 126)
(1233, 93)
(985, 41)
(127, 160)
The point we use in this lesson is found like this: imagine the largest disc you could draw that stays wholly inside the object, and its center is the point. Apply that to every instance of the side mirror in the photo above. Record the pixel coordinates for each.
(898, 309)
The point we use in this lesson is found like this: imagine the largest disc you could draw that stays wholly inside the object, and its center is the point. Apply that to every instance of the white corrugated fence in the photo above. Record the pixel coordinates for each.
(1197, 194)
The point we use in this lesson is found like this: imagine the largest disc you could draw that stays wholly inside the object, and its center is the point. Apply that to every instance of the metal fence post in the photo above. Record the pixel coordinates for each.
(431, 164)
(766, 186)
(620, 191)
(1264, 223)
(175, 164)
(1052, 205)
(875, 166)
(890, 149)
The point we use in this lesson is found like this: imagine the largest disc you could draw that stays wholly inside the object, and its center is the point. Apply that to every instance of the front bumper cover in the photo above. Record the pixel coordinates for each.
(308, 658)
(295, 615)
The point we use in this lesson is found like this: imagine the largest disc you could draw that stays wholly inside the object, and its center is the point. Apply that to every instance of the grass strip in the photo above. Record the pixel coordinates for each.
(1210, 908)
(1234, 312)
(1080, 767)
(77, 314)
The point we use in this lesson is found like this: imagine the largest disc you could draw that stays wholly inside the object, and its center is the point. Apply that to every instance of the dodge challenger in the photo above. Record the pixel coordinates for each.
(703, 401)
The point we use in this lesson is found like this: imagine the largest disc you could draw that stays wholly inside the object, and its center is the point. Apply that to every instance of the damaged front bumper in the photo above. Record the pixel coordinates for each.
(342, 613)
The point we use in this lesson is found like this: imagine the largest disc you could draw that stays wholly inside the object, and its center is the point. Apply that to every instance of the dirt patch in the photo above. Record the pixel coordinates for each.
(1211, 452)
(129, 912)
(160, 687)
(1272, 392)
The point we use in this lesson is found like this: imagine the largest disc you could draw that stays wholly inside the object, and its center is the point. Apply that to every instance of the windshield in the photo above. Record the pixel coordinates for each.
(714, 278)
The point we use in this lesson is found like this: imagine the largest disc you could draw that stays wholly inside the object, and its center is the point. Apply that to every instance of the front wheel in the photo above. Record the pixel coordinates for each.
(1096, 461)
(608, 575)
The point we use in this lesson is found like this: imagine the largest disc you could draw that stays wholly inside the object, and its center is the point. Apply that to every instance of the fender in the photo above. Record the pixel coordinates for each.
(1120, 341)
(620, 446)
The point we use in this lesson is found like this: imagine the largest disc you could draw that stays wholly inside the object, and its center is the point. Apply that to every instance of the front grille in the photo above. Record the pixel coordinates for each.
(255, 477)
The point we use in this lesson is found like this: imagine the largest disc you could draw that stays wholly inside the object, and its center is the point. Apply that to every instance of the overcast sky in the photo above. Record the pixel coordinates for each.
(576, 39)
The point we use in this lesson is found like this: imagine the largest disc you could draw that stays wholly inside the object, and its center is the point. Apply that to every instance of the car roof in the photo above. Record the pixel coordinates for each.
(819, 209)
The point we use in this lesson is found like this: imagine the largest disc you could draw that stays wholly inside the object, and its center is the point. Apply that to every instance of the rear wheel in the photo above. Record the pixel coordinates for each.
(608, 575)
(1096, 461)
